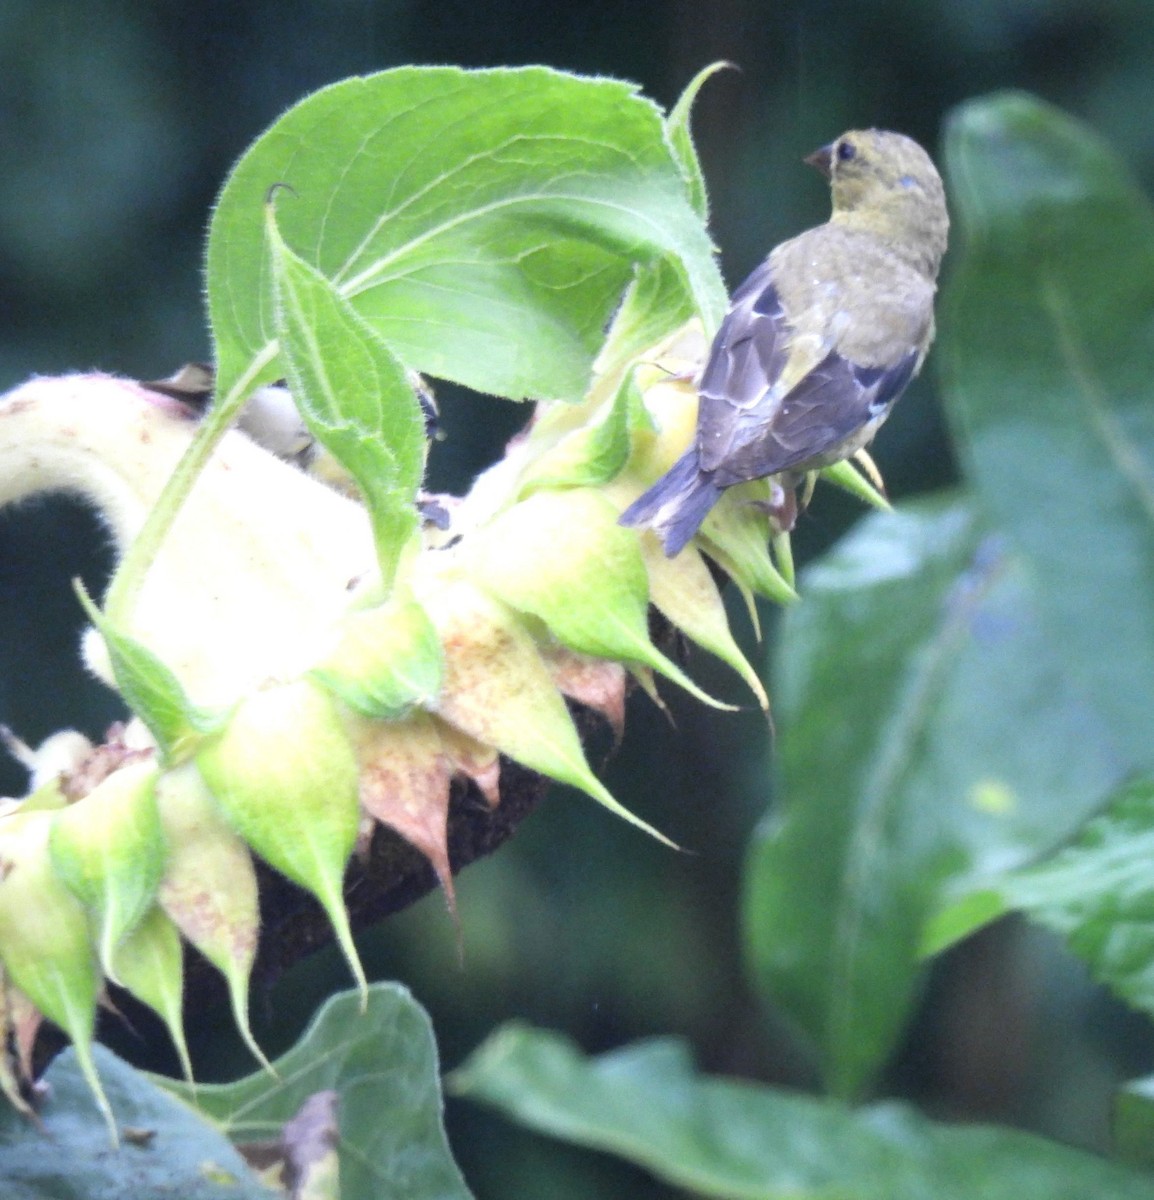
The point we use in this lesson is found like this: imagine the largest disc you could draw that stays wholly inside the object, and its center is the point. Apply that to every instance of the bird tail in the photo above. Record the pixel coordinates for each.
(676, 504)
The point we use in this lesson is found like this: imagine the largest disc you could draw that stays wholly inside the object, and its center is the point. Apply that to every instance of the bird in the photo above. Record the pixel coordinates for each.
(821, 339)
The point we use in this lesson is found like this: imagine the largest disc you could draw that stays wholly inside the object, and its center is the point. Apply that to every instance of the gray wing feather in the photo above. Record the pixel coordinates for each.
(745, 429)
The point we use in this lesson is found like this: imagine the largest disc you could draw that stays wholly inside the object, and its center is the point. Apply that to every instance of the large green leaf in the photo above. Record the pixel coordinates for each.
(1098, 893)
(166, 1150)
(926, 728)
(1048, 347)
(484, 223)
(739, 1141)
(382, 1062)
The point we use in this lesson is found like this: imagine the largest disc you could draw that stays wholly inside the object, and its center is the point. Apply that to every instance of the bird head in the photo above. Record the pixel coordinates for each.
(886, 183)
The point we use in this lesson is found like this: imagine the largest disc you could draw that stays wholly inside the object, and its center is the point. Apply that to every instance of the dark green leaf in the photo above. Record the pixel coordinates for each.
(383, 1064)
(166, 1149)
(1098, 893)
(926, 738)
(739, 1141)
(1048, 332)
(1134, 1122)
(354, 396)
(484, 223)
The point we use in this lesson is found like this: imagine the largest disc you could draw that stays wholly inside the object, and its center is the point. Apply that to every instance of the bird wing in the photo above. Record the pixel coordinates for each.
(835, 401)
(748, 357)
(748, 426)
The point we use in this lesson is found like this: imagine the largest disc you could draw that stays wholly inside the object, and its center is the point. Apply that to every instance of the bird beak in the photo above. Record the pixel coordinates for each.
(821, 158)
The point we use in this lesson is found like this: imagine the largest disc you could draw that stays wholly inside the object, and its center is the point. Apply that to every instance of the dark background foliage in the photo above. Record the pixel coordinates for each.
(118, 123)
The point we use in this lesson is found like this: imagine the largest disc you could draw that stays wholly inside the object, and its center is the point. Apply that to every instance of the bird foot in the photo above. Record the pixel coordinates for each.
(782, 506)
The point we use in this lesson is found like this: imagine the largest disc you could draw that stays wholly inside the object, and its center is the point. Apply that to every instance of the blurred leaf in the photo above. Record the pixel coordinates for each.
(167, 1151)
(926, 736)
(739, 1141)
(382, 1062)
(1134, 1122)
(1048, 332)
(484, 223)
(1097, 893)
(354, 396)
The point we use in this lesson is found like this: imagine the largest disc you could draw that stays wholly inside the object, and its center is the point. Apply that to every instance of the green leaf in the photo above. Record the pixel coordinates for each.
(178, 1153)
(1047, 347)
(734, 535)
(484, 223)
(926, 733)
(738, 1141)
(353, 394)
(1098, 894)
(960, 917)
(383, 1064)
(658, 300)
(681, 141)
(150, 688)
(1134, 1122)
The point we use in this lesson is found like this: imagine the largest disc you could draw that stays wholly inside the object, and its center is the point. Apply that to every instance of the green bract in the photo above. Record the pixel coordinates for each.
(109, 850)
(285, 776)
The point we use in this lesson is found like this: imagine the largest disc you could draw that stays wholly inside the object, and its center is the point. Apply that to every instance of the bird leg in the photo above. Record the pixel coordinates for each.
(869, 469)
(809, 483)
(781, 507)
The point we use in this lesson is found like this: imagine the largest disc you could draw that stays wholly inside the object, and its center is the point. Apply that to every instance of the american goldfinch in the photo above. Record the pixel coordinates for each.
(820, 341)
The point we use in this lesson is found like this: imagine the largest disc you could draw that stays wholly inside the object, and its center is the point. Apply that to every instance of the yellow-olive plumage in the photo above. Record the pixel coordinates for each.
(821, 340)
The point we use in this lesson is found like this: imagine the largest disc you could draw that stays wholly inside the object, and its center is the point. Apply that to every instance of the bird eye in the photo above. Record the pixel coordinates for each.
(845, 151)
